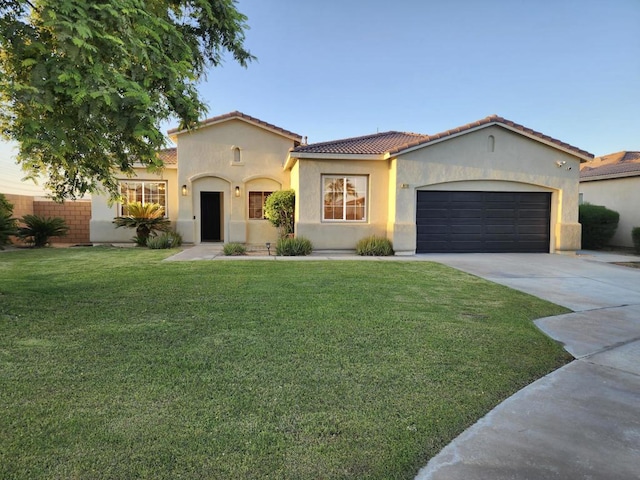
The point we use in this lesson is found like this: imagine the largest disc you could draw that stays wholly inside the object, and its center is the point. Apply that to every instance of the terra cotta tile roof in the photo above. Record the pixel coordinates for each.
(396, 142)
(614, 165)
(237, 114)
(377, 143)
(169, 156)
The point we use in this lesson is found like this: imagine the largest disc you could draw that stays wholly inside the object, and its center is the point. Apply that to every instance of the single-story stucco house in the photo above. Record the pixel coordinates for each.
(488, 186)
(614, 182)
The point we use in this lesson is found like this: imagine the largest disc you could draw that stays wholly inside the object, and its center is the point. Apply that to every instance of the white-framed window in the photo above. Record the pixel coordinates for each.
(143, 191)
(256, 204)
(344, 198)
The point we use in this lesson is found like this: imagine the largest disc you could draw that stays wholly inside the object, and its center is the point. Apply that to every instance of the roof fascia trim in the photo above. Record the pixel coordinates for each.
(583, 158)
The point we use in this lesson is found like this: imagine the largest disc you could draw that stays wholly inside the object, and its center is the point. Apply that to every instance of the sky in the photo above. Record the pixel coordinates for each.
(334, 69)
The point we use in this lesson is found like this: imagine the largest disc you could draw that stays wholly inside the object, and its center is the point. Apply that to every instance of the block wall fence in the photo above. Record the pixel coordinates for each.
(76, 214)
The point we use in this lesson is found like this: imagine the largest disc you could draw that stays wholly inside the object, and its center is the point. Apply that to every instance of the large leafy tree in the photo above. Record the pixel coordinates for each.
(85, 85)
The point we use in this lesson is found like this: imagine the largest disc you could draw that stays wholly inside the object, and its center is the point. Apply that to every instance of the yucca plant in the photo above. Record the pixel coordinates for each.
(146, 218)
(38, 230)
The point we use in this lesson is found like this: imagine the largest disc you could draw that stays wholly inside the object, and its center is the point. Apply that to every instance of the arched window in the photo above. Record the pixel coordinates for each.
(491, 144)
(236, 155)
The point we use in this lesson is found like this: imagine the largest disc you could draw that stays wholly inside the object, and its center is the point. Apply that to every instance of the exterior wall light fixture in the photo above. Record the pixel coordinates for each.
(237, 191)
(185, 191)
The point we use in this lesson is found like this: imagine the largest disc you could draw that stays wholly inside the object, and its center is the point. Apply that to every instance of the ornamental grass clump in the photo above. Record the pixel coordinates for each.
(294, 247)
(374, 246)
(168, 239)
(234, 249)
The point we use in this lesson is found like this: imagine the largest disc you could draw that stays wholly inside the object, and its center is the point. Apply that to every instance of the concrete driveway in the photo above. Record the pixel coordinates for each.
(583, 420)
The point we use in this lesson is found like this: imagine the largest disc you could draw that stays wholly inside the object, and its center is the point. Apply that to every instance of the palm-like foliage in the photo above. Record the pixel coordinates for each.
(145, 218)
(8, 227)
(37, 230)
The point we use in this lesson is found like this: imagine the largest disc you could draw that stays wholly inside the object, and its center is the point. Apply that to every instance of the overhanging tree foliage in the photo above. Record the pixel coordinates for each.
(84, 86)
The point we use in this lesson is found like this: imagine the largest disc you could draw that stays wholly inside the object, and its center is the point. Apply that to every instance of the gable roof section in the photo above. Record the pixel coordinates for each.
(615, 165)
(236, 115)
(394, 143)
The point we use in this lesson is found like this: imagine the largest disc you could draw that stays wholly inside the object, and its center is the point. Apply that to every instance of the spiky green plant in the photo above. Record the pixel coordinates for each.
(374, 246)
(38, 230)
(234, 249)
(8, 227)
(146, 218)
(8, 224)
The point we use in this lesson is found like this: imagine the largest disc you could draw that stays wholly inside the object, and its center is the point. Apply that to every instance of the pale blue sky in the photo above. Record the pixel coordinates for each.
(332, 69)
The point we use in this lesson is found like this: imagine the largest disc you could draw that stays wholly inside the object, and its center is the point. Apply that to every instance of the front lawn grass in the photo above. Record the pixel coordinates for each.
(114, 364)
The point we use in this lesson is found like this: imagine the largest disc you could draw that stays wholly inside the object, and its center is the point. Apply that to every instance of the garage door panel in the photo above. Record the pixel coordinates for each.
(452, 221)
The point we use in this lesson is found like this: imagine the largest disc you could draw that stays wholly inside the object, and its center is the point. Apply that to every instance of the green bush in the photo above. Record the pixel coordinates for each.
(165, 240)
(279, 209)
(293, 247)
(38, 230)
(374, 246)
(635, 236)
(599, 224)
(8, 225)
(234, 249)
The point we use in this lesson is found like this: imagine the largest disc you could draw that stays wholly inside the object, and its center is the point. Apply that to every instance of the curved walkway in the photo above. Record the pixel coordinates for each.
(583, 420)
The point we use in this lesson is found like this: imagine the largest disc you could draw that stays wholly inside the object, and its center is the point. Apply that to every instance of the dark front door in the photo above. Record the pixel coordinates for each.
(483, 221)
(210, 216)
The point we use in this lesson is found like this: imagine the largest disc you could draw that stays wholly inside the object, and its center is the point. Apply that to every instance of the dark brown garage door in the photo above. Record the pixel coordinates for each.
(483, 221)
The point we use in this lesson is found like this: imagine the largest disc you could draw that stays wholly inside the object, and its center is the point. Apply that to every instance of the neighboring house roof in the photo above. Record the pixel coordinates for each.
(169, 156)
(615, 165)
(392, 143)
(243, 117)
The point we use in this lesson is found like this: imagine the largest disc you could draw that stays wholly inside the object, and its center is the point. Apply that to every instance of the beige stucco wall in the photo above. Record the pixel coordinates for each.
(206, 164)
(466, 162)
(621, 195)
(339, 235)
(101, 225)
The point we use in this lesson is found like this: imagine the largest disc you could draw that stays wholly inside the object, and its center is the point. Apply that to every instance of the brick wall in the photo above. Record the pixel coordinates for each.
(76, 215)
(22, 204)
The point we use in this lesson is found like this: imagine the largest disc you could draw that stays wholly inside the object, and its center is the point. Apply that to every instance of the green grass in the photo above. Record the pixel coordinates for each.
(114, 364)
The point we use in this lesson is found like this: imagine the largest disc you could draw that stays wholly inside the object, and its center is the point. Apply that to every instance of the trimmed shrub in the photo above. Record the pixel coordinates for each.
(374, 246)
(165, 240)
(635, 236)
(294, 247)
(599, 224)
(38, 230)
(279, 209)
(234, 249)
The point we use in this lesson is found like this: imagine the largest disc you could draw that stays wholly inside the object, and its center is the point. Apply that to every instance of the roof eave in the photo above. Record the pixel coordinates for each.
(173, 133)
(339, 156)
(582, 157)
(611, 176)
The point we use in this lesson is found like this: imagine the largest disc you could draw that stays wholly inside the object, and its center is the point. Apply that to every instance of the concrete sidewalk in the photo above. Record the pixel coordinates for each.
(583, 420)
